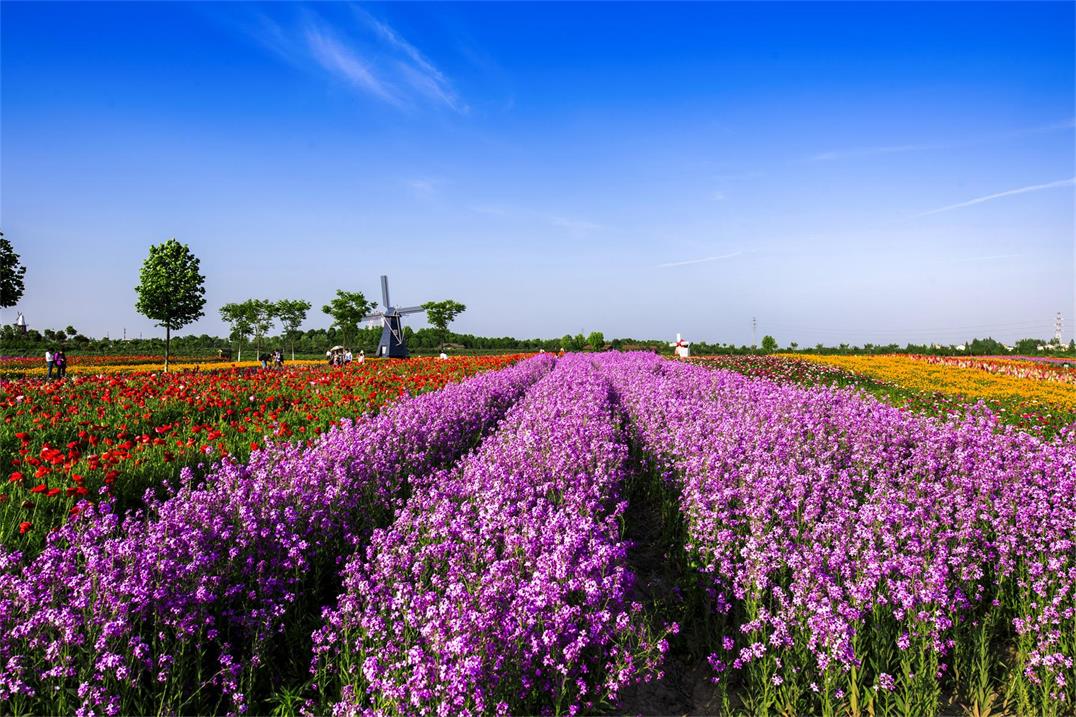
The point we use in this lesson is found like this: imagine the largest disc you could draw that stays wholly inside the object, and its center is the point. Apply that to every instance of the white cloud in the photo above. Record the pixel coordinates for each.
(374, 59)
(859, 152)
(990, 257)
(491, 210)
(703, 260)
(422, 187)
(578, 226)
(343, 62)
(1009, 193)
(415, 67)
(862, 152)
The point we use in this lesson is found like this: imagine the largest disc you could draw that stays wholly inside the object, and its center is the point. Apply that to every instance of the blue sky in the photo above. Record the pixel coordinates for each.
(842, 172)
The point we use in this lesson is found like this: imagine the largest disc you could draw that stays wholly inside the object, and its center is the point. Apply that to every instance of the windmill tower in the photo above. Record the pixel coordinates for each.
(1057, 329)
(680, 348)
(392, 343)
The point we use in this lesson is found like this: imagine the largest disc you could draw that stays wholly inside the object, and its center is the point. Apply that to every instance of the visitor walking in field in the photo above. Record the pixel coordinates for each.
(60, 360)
(50, 362)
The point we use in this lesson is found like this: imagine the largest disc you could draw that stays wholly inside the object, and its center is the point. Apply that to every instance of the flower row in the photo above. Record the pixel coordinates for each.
(1036, 370)
(857, 555)
(503, 585)
(62, 442)
(184, 607)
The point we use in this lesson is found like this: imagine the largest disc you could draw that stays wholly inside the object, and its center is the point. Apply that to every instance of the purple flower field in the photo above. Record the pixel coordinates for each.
(465, 552)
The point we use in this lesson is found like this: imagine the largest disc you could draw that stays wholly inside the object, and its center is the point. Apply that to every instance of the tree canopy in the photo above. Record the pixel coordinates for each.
(240, 319)
(442, 313)
(12, 273)
(171, 290)
(347, 310)
(291, 313)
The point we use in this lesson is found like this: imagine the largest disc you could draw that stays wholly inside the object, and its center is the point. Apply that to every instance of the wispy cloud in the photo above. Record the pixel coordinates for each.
(703, 260)
(864, 152)
(718, 196)
(491, 210)
(578, 226)
(422, 187)
(989, 257)
(364, 52)
(342, 61)
(860, 152)
(574, 225)
(416, 68)
(1009, 193)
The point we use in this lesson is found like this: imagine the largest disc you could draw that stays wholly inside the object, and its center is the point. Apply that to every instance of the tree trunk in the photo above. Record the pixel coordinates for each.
(167, 346)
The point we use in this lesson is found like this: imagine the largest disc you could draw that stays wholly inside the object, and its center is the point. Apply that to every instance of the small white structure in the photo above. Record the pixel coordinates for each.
(680, 348)
(20, 324)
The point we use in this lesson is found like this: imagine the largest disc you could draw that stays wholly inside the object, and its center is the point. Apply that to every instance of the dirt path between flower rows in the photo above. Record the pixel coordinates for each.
(685, 687)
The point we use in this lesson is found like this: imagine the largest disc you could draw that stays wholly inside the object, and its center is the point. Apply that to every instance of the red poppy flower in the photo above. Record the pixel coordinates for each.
(24, 526)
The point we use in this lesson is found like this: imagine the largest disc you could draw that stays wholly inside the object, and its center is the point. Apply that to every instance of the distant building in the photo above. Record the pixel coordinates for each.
(20, 324)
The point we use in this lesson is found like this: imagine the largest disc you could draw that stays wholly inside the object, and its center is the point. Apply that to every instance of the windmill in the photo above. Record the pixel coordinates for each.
(392, 343)
(680, 348)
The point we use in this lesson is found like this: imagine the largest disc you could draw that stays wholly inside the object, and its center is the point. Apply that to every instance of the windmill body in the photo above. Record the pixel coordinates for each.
(392, 343)
(681, 347)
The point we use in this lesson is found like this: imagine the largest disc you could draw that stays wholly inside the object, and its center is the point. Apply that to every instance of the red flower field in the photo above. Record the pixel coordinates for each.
(121, 434)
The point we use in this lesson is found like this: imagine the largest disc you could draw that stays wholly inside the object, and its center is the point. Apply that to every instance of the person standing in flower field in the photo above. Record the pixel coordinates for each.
(60, 359)
(50, 362)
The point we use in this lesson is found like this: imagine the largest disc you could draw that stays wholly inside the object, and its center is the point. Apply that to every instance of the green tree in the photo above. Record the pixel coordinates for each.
(171, 290)
(347, 310)
(262, 313)
(11, 274)
(579, 341)
(240, 318)
(769, 344)
(291, 312)
(1028, 346)
(596, 340)
(441, 313)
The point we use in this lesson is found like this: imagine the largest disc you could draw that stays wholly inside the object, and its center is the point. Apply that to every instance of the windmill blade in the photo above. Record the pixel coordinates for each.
(410, 310)
(385, 291)
(377, 315)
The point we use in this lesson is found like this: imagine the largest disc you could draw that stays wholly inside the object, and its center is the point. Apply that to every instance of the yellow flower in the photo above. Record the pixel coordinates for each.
(956, 380)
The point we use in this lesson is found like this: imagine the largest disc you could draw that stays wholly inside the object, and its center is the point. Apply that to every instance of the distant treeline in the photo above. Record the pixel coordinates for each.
(427, 340)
